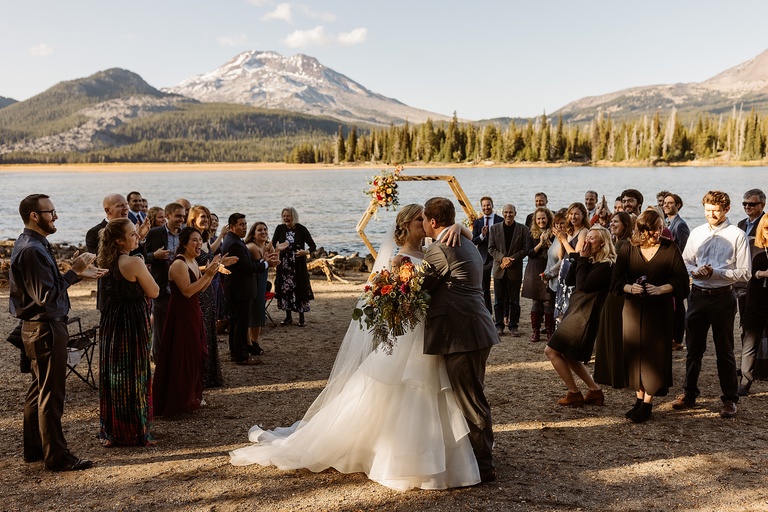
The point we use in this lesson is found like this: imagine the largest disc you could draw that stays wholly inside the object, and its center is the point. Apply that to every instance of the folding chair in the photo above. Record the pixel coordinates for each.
(81, 345)
(268, 298)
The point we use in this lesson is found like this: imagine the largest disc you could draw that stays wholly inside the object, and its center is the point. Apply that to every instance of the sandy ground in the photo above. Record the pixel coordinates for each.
(548, 457)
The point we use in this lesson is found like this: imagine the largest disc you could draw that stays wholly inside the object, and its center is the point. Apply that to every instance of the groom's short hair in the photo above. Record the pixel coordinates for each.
(441, 210)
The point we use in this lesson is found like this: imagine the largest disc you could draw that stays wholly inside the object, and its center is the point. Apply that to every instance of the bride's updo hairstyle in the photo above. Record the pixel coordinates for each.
(407, 214)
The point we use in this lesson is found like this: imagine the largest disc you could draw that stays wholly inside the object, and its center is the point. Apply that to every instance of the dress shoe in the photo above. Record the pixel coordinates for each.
(515, 332)
(729, 409)
(488, 476)
(594, 397)
(500, 331)
(743, 390)
(572, 399)
(677, 346)
(33, 458)
(643, 413)
(255, 349)
(634, 409)
(287, 321)
(683, 402)
(249, 362)
(71, 463)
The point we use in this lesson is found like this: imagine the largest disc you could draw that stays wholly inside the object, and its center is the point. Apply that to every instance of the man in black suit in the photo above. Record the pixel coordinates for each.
(240, 288)
(160, 247)
(507, 248)
(754, 204)
(115, 207)
(459, 327)
(480, 238)
(680, 232)
(136, 203)
(540, 200)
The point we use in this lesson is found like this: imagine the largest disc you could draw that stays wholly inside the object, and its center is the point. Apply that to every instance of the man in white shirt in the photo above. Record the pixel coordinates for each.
(716, 256)
(480, 229)
(590, 201)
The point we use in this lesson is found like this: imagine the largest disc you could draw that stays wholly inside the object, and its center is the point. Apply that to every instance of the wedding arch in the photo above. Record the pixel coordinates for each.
(374, 206)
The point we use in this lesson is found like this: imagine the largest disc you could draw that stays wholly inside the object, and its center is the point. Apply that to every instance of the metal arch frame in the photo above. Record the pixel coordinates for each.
(374, 207)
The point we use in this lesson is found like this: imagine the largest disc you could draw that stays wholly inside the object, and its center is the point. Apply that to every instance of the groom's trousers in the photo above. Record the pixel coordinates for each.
(466, 371)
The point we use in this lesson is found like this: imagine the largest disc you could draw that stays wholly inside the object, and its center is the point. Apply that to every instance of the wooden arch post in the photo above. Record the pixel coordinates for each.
(373, 207)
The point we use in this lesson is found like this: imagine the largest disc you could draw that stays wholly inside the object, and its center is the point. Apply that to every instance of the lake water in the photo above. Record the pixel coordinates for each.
(331, 202)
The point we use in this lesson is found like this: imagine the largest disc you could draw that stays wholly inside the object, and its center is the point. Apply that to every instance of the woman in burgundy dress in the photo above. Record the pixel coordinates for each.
(178, 384)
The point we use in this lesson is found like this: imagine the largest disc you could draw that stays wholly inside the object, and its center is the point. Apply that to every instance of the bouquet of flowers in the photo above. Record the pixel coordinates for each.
(393, 302)
(383, 188)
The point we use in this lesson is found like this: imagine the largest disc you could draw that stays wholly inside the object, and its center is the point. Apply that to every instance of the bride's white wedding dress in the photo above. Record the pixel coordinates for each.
(393, 417)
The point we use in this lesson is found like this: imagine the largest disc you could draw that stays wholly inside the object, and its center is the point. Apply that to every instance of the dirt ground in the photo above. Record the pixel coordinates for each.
(548, 457)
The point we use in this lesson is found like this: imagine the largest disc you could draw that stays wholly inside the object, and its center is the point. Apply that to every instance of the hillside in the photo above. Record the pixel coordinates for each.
(4, 102)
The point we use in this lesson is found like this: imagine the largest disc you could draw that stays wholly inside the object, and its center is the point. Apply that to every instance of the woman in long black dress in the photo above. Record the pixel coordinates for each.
(292, 287)
(755, 314)
(649, 271)
(125, 379)
(610, 366)
(536, 245)
(178, 384)
(570, 347)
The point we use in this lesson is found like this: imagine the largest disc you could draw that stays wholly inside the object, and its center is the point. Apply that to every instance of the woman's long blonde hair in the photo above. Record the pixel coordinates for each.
(405, 216)
(608, 251)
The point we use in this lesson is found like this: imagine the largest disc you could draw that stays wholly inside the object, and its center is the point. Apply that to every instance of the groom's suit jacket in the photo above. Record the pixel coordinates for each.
(457, 319)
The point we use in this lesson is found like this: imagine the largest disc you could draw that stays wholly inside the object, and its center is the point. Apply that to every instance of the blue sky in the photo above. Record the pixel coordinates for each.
(481, 58)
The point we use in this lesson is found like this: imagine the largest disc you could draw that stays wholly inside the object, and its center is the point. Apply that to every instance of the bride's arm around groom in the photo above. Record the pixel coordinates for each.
(459, 326)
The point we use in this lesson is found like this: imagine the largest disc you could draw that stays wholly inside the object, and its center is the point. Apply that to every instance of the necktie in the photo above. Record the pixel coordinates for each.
(487, 221)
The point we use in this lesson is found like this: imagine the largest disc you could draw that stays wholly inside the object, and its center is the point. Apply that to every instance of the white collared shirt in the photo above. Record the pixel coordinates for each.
(725, 248)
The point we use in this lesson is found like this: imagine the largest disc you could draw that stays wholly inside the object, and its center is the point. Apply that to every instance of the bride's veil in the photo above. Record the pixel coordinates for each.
(357, 343)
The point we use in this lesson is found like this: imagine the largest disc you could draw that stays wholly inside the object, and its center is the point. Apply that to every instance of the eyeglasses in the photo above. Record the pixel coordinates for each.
(52, 212)
(745, 204)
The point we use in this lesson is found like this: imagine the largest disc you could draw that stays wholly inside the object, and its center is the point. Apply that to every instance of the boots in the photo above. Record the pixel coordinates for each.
(549, 322)
(643, 414)
(536, 324)
(572, 399)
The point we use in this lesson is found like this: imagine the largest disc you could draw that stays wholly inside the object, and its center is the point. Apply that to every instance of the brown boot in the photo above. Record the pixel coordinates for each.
(536, 324)
(572, 399)
(549, 323)
(595, 397)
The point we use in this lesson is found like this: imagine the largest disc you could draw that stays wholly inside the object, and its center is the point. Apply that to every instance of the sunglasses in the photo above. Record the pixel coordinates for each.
(745, 204)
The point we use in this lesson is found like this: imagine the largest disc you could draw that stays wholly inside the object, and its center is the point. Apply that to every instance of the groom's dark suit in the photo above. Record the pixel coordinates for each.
(460, 328)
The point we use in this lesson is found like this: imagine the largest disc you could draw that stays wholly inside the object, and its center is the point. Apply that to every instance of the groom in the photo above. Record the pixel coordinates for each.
(459, 327)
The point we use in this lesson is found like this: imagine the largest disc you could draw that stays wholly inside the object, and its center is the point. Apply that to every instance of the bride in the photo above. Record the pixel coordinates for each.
(393, 417)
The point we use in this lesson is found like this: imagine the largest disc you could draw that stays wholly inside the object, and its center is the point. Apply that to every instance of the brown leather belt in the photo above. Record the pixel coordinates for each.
(712, 291)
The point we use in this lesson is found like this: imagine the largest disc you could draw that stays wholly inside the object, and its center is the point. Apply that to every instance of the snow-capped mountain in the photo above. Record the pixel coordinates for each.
(300, 84)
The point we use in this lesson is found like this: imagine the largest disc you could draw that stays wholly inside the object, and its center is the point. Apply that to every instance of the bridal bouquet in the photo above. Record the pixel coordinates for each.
(392, 303)
(383, 188)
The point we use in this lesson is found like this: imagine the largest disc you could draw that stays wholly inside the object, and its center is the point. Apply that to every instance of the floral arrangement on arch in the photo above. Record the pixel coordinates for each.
(383, 188)
(470, 219)
(392, 303)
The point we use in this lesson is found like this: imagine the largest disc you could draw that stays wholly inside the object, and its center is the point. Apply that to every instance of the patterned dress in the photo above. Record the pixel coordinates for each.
(293, 288)
(212, 377)
(125, 385)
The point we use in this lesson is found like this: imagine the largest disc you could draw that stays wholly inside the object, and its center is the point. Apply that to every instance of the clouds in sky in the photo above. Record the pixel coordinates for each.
(233, 40)
(317, 36)
(41, 50)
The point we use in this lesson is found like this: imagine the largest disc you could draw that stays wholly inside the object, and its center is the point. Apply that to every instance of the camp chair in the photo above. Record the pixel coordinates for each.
(80, 347)
(268, 298)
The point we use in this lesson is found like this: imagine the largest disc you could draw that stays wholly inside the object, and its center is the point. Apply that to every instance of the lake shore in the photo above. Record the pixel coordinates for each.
(273, 166)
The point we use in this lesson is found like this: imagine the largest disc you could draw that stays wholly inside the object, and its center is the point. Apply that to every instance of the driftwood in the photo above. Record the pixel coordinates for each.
(334, 265)
(325, 265)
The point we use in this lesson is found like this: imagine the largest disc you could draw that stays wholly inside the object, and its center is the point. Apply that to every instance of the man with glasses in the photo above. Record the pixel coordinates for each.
(754, 203)
(38, 297)
(632, 201)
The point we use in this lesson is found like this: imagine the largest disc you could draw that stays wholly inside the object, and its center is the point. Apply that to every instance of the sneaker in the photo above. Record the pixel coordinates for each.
(683, 402)
(729, 409)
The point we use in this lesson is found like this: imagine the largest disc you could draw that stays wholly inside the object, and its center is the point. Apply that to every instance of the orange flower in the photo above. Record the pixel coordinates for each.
(386, 289)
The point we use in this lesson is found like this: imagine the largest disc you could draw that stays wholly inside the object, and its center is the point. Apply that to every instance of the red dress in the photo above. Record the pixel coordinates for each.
(178, 383)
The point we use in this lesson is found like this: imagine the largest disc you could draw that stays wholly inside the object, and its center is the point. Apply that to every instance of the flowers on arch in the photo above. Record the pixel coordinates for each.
(392, 303)
(470, 219)
(382, 188)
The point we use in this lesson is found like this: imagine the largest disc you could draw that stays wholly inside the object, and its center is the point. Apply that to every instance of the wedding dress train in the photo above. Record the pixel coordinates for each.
(392, 416)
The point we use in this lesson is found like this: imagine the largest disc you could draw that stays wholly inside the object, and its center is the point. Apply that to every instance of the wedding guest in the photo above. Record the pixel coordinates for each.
(754, 202)
(632, 201)
(571, 241)
(480, 235)
(590, 202)
(552, 270)
(240, 288)
(115, 207)
(602, 215)
(144, 206)
(755, 311)
(617, 205)
(716, 256)
(125, 377)
(259, 246)
(538, 243)
(506, 245)
(214, 228)
(540, 200)
(292, 286)
(680, 233)
(178, 384)
(610, 366)
(199, 218)
(156, 217)
(135, 204)
(186, 204)
(649, 272)
(38, 297)
(161, 244)
(660, 197)
(571, 344)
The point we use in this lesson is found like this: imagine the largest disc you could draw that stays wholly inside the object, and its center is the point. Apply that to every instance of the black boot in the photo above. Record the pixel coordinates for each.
(301, 319)
(634, 409)
(255, 349)
(643, 413)
(288, 319)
